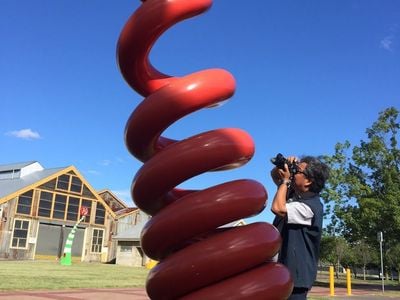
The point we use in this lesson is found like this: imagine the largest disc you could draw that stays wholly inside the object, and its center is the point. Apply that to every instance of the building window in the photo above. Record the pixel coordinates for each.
(125, 246)
(100, 214)
(20, 234)
(63, 182)
(76, 185)
(45, 203)
(25, 203)
(10, 174)
(97, 240)
(60, 204)
(88, 204)
(126, 249)
(70, 183)
(73, 209)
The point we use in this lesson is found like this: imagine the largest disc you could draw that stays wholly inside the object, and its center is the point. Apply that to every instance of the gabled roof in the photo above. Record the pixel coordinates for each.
(16, 166)
(28, 174)
(36, 176)
(106, 194)
(125, 211)
(11, 186)
(132, 234)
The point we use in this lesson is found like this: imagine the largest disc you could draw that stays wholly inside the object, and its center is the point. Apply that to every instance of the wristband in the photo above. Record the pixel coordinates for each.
(286, 181)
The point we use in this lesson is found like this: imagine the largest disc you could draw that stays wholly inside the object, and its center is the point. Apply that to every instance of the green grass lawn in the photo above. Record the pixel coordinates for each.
(50, 275)
(392, 287)
(35, 275)
(323, 280)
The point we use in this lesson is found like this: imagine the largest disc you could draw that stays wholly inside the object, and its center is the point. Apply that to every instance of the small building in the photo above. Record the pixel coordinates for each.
(129, 251)
(39, 207)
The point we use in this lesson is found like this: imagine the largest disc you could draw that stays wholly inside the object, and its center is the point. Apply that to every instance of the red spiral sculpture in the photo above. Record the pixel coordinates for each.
(198, 259)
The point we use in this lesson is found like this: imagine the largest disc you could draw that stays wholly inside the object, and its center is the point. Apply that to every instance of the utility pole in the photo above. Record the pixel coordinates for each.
(380, 239)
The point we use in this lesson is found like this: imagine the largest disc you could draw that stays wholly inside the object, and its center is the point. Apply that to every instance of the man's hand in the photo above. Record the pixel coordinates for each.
(284, 174)
(279, 175)
(276, 176)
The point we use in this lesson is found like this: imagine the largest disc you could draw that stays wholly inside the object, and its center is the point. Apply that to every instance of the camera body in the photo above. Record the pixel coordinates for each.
(279, 161)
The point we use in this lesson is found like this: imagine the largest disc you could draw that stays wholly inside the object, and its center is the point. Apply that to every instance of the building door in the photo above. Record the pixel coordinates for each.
(51, 240)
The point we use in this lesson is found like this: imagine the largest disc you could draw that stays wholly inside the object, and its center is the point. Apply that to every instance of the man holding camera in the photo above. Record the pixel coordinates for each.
(298, 216)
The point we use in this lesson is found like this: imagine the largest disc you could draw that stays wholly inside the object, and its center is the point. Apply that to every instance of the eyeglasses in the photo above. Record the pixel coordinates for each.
(298, 171)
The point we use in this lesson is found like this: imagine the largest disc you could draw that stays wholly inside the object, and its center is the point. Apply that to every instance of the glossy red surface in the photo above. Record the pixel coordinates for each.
(270, 281)
(215, 258)
(201, 212)
(198, 258)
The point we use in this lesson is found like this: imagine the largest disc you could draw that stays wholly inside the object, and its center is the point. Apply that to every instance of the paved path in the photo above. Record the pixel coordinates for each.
(78, 294)
(140, 294)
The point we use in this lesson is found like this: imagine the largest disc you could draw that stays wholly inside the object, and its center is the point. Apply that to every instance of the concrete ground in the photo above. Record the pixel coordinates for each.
(75, 294)
(140, 294)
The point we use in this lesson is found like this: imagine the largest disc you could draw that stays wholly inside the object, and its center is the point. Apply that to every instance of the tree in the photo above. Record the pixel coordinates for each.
(327, 249)
(335, 251)
(364, 255)
(393, 258)
(349, 259)
(363, 192)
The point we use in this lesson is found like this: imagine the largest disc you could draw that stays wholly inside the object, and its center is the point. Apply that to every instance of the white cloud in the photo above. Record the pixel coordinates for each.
(387, 43)
(94, 172)
(26, 134)
(105, 162)
(109, 162)
(119, 160)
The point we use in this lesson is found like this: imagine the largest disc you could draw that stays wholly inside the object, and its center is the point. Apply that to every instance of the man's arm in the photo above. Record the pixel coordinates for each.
(282, 180)
(278, 206)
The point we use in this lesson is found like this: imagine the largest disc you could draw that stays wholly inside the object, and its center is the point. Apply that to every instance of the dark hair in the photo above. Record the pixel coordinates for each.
(316, 171)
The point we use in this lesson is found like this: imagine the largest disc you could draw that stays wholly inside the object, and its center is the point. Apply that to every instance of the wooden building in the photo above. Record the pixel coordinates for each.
(129, 251)
(39, 207)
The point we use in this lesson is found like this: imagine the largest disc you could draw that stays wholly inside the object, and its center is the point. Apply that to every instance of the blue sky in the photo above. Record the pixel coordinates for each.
(309, 74)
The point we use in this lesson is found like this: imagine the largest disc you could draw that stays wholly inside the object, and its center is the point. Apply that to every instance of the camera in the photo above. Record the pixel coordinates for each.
(279, 161)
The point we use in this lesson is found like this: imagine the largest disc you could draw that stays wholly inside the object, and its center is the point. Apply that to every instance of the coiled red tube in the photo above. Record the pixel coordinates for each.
(198, 258)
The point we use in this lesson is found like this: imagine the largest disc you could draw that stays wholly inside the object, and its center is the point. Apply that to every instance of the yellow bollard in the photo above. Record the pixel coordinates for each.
(348, 277)
(151, 264)
(331, 281)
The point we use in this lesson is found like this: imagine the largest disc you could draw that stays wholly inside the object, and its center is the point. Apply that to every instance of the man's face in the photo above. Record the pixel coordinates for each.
(301, 181)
